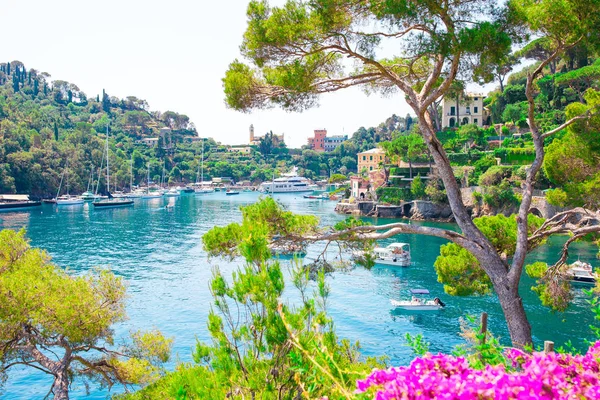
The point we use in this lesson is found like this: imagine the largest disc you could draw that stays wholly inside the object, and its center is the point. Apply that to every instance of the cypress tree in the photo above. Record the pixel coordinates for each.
(15, 84)
(55, 131)
(36, 87)
(97, 98)
(45, 89)
(8, 68)
(29, 78)
(70, 97)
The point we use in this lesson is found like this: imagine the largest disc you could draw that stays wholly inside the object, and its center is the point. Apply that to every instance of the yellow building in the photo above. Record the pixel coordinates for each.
(371, 159)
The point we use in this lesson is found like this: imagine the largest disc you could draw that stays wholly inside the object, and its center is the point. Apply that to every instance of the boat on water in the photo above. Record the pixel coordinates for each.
(418, 304)
(396, 254)
(173, 193)
(87, 196)
(581, 272)
(288, 183)
(148, 194)
(185, 189)
(16, 202)
(202, 187)
(231, 192)
(67, 199)
(322, 196)
(110, 201)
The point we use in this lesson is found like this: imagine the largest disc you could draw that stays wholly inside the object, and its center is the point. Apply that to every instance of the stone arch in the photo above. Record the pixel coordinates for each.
(406, 208)
(536, 211)
(465, 121)
(452, 122)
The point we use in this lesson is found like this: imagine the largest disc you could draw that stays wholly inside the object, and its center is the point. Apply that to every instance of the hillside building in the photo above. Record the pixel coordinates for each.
(255, 140)
(371, 160)
(320, 141)
(470, 111)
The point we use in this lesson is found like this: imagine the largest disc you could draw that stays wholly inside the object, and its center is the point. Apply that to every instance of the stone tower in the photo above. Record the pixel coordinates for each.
(251, 133)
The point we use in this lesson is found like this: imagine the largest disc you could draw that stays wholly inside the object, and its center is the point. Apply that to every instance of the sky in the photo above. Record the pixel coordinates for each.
(173, 54)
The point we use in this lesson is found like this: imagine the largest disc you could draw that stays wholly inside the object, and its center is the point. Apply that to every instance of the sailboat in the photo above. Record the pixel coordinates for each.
(111, 202)
(148, 194)
(67, 199)
(88, 195)
(202, 189)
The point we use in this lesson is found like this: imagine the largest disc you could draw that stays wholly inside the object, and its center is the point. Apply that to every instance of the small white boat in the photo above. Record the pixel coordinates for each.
(204, 190)
(231, 192)
(173, 193)
(418, 304)
(87, 196)
(581, 272)
(68, 200)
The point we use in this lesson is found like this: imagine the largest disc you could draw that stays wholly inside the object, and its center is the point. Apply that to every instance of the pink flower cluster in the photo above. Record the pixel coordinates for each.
(532, 376)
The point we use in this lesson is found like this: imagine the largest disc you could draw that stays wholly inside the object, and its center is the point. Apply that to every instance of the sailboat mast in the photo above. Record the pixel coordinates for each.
(67, 172)
(202, 162)
(107, 168)
(131, 177)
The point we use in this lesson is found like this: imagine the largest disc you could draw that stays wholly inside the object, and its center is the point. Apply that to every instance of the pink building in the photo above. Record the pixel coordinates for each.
(317, 142)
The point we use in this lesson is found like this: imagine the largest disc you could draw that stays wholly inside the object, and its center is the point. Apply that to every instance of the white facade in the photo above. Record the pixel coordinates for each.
(470, 111)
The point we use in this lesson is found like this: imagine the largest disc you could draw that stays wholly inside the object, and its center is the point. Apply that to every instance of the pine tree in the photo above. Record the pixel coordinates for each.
(105, 102)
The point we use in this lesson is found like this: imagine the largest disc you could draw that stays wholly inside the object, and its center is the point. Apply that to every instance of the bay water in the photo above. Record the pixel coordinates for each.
(158, 252)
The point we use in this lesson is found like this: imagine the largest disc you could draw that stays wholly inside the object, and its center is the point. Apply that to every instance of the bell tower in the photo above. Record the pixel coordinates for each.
(251, 133)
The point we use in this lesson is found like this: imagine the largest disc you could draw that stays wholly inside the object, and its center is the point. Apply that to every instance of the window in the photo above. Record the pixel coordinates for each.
(475, 120)
(468, 110)
(364, 158)
(475, 110)
(371, 168)
(452, 110)
(476, 98)
(370, 158)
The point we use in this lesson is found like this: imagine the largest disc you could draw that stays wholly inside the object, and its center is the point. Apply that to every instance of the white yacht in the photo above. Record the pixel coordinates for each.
(396, 254)
(581, 272)
(288, 183)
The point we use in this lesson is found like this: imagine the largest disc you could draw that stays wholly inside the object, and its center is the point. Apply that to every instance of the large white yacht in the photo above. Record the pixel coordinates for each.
(288, 183)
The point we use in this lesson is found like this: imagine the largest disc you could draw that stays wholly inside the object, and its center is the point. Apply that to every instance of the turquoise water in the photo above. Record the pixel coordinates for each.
(159, 253)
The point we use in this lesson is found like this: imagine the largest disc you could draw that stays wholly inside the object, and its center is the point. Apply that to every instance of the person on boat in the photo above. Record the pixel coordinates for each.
(416, 300)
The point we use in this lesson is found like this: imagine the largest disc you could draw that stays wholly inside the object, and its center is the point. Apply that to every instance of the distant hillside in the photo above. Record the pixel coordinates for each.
(42, 122)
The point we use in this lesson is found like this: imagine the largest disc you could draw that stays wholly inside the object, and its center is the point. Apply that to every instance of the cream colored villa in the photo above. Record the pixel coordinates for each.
(470, 111)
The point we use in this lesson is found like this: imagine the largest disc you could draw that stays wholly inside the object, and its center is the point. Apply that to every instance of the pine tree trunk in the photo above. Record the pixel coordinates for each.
(489, 259)
(60, 387)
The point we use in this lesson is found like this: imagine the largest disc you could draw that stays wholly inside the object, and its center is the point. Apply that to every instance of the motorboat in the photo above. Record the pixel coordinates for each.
(17, 202)
(231, 192)
(418, 304)
(287, 183)
(322, 196)
(173, 193)
(87, 196)
(396, 254)
(581, 272)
